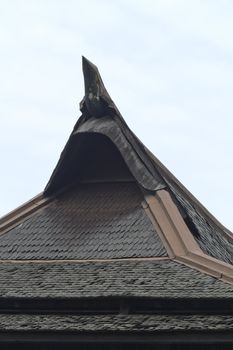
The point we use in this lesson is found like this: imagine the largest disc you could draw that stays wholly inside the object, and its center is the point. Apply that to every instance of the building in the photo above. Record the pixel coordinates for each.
(115, 253)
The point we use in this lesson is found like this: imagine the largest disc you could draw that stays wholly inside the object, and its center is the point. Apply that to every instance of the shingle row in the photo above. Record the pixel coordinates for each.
(95, 221)
(113, 323)
(159, 279)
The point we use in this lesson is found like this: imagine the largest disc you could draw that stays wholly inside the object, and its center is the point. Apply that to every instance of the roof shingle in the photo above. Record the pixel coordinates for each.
(155, 279)
(91, 221)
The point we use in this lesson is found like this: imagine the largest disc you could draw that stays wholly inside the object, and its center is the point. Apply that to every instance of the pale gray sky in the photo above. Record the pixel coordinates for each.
(168, 65)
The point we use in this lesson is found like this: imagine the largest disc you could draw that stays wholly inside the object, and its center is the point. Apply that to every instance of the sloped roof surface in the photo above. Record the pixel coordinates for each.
(119, 211)
(157, 279)
(115, 323)
(100, 115)
(209, 236)
(91, 221)
(162, 280)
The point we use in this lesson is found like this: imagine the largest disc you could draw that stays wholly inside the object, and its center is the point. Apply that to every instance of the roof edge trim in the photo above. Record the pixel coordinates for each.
(209, 265)
(169, 177)
(14, 217)
(11, 219)
(179, 241)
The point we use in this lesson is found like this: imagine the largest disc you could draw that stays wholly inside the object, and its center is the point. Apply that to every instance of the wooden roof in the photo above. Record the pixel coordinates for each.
(112, 223)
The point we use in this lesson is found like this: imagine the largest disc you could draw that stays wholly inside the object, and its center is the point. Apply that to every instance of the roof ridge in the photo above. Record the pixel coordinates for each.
(166, 174)
(182, 247)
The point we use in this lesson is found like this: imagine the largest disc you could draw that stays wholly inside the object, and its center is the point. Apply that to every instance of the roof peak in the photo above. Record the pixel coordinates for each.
(96, 101)
(101, 116)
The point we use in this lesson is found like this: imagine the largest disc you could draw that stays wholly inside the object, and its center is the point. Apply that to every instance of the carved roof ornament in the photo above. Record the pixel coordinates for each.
(97, 101)
(101, 116)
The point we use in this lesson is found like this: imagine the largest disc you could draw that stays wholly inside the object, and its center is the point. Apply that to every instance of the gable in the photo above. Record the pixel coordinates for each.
(87, 148)
(90, 157)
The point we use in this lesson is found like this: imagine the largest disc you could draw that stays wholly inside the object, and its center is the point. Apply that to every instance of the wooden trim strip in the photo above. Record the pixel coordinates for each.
(16, 216)
(21, 208)
(210, 265)
(172, 225)
(157, 258)
(158, 230)
(188, 195)
(182, 246)
(12, 219)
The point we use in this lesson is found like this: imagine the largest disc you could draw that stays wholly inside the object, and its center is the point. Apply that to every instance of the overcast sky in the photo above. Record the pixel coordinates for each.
(168, 65)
